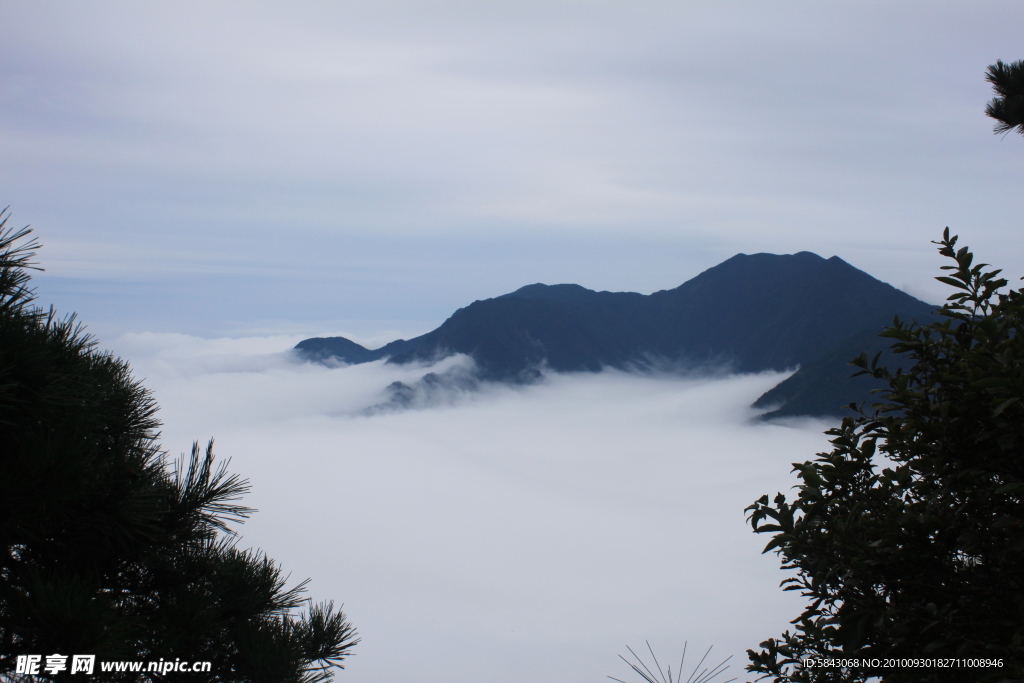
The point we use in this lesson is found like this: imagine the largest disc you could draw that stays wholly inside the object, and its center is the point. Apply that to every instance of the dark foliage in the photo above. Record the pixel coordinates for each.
(1007, 107)
(908, 538)
(108, 549)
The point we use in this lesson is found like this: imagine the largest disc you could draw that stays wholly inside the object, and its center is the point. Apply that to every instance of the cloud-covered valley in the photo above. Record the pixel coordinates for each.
(502, 534)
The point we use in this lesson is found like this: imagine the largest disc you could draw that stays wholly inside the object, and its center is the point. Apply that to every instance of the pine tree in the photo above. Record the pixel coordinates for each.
(1007, 107)
(108, 548)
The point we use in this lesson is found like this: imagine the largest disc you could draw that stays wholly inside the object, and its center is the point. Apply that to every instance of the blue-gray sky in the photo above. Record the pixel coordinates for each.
(368, 167)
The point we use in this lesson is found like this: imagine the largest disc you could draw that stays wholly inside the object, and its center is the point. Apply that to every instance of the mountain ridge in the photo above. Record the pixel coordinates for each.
(750, 313)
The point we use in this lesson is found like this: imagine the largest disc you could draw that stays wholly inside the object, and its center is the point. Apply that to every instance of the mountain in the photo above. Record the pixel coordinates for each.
(824, 386)
(748, 314)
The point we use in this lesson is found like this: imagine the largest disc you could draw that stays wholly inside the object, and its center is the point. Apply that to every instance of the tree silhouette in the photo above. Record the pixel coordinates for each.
(1008, 106)
(106, 547)
(916, 554)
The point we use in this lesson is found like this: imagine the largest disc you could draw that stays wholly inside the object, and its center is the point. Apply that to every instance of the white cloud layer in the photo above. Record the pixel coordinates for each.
(509, 534)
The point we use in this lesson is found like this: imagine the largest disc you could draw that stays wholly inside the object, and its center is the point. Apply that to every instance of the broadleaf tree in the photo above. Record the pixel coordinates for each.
(107, 547)
(908, 537)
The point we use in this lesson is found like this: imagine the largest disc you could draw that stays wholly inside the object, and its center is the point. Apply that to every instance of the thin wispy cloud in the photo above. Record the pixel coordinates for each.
(325, 164)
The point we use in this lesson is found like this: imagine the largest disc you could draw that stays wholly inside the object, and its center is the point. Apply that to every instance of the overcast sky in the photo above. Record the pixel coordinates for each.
(368, 167)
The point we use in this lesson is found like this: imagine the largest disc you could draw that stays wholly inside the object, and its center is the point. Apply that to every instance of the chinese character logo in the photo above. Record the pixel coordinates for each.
(83, 664)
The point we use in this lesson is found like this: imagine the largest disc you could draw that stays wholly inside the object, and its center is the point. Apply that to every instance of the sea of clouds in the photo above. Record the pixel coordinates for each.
(502, 534)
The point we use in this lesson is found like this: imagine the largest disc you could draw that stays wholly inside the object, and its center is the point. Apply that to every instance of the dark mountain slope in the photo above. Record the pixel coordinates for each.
(343, 350)
(339, 348)
(824, 386)
(510, 337)
(760, 311)
(775, 312)
(750, 313)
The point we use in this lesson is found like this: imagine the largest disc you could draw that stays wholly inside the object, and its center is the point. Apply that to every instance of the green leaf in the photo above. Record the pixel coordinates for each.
(955, 282)
(1004, 405)
(992, 383)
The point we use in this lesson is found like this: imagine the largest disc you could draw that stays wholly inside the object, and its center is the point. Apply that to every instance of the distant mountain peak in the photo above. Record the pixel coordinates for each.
(754, 312)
